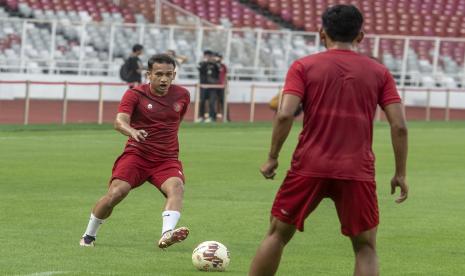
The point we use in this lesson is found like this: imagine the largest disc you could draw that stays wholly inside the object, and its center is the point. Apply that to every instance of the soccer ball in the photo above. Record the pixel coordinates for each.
(211, 256)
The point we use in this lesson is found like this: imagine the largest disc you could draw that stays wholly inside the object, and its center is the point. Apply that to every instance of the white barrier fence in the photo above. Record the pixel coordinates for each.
(252, 93)
(250, 54)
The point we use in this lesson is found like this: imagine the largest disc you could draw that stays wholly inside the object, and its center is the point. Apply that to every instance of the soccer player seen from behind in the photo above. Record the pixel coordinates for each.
(339, 90)
(150, 114)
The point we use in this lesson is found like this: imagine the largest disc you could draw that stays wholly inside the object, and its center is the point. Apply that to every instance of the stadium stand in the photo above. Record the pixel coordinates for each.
(74, 10)
(443, 18)
(217, 12)
(94, 37)
(416, 17)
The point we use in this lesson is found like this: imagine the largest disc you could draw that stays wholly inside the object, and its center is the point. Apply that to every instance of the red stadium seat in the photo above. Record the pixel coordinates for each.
(416, 17)
(444, 18)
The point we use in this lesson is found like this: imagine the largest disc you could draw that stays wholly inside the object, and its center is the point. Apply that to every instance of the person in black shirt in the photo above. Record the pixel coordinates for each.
(209, 73)
(133, 66)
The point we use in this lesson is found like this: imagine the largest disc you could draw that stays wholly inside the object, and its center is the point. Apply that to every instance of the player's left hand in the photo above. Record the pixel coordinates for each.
(399, 181)
(139, 135)
(268, 169)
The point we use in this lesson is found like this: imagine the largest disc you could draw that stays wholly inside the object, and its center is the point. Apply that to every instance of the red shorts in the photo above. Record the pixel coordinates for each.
(136, 170)
(356, 201)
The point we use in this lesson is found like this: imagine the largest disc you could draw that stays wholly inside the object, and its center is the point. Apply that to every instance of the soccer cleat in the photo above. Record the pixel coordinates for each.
(87, 241)
(173, 236)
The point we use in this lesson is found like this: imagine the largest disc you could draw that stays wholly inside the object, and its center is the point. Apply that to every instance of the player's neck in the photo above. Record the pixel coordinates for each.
(155, 92)
(342, 46)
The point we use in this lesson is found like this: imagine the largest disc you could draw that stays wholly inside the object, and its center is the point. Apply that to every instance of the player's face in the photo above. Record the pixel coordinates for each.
(161, 76)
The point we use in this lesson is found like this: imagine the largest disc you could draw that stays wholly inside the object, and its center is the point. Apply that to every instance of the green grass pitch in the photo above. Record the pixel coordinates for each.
(50, 177)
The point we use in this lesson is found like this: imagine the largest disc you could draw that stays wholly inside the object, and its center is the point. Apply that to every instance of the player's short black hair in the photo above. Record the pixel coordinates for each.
(137, 48)
(342, 22)
(208, 52)
(160, 58)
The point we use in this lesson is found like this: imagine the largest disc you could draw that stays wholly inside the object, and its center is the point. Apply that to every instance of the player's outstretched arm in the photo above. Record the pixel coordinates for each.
(181, 59)
(122, 124)
(399, 136)
(281, 128)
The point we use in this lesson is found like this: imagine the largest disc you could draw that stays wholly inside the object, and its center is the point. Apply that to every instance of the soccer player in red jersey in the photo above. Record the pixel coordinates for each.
(339, 90)
(150, 114)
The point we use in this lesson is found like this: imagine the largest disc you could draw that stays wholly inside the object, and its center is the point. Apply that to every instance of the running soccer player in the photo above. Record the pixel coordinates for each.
(339, 90)
(150, 114)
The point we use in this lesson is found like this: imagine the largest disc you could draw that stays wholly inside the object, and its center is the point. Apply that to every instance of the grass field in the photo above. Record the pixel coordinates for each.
(50, 177)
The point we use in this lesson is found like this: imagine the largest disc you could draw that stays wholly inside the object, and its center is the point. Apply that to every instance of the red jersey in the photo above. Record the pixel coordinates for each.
(223, 72)
(159, 116)
(340, 90)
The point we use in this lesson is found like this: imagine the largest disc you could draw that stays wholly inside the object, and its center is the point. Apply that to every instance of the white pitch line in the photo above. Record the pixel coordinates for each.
(41, 138)
(46, 273)
(49, 273)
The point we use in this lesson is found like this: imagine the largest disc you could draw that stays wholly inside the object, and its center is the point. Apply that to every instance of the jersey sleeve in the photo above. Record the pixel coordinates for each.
(389, 92)
(128, 102)
(295, 83)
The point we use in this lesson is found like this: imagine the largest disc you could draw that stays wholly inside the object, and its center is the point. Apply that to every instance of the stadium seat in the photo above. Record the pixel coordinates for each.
(416, 17)
(211, 10)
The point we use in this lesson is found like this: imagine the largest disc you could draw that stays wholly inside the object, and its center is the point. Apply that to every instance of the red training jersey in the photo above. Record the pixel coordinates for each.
(223, 73)
(340, 90)
(159, 116)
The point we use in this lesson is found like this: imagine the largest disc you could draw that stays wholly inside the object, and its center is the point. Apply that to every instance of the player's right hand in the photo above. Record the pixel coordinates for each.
(399, 181)
(268, 169)
(139, 135)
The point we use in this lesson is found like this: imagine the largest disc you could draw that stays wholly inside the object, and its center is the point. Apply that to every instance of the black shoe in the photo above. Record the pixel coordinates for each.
(87, 241)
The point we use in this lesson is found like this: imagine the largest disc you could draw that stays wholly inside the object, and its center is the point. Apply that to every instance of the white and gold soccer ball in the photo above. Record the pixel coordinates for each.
(211, 256)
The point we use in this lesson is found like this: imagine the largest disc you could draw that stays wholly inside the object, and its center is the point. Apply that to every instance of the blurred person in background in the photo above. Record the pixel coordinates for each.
(220, 92)
(275, 101)
(131, 70)
(209, 73)
(179, 59)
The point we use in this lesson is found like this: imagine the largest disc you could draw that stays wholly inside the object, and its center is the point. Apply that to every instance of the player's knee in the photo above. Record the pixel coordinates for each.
(176, 188)
(116, 195)
(173, 187)
(281, 231)
(363, 242)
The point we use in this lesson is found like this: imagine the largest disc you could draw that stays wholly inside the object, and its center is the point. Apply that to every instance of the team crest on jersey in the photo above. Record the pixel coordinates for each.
(177, 107)
(149, 106)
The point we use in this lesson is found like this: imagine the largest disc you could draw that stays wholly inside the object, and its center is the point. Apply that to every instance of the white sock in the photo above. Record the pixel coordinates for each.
(170, 219)
(93, 226)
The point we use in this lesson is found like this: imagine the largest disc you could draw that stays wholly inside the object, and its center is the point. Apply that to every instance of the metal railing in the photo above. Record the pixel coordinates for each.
(249, 53)
(254, 87)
